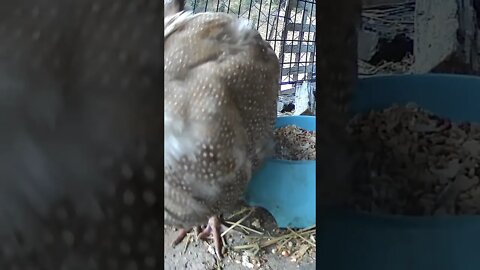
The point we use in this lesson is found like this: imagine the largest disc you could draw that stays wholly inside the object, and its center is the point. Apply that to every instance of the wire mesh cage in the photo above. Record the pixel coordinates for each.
(288, 25)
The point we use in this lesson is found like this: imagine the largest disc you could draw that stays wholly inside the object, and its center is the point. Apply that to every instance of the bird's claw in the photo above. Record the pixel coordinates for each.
(180, 237)
(213, 228)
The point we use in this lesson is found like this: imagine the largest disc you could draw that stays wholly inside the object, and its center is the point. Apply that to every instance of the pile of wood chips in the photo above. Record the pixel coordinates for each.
(294, 143)
(420, 164)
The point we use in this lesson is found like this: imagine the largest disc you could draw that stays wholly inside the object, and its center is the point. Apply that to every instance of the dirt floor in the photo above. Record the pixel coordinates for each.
(286, 249)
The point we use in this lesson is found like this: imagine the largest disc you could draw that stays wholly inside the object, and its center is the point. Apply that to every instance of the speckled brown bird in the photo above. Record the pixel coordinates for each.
(80, 129)
(221, 86)
(340, 160)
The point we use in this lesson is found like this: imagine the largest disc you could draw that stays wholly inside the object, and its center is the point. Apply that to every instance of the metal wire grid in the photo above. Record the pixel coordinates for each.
(288, 25)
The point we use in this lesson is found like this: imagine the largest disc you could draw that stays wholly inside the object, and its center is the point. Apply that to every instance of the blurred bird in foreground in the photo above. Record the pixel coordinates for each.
(221, 87)
(340, 160)
(80, 129)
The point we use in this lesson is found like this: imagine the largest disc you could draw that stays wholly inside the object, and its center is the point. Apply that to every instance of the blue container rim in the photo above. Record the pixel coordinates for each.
(293, 162)
(428, 75)
(296, 116)
(407, 221)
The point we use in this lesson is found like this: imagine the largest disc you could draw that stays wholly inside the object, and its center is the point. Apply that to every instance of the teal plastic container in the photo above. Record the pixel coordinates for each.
(347, 240)
(287, 188)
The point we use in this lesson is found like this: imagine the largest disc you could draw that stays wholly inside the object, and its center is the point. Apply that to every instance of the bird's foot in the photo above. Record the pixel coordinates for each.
(213, 228)
(181, 235)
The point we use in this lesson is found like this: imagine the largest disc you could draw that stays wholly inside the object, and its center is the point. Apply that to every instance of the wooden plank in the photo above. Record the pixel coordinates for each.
(283, 44)
(300, 39)
(300, 27)
(298, 70)
(469, 46)
(436, 26)
(297, 49)
(367, 44)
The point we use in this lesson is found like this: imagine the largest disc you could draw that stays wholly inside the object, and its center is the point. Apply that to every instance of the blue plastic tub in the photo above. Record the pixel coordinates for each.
(347, 240)
(287, 188)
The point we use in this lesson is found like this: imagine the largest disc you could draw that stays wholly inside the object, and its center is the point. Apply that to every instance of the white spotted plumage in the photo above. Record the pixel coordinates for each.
(221, 85)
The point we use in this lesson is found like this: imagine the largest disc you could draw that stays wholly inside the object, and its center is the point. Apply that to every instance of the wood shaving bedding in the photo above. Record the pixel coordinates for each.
(420, 164)
(294, 143)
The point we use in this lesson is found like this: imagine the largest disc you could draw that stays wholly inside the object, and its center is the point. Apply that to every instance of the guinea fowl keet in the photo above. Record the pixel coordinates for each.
(221, 86)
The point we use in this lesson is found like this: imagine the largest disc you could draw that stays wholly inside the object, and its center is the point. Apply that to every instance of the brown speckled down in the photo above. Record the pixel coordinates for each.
(79, 130)
(221, 85)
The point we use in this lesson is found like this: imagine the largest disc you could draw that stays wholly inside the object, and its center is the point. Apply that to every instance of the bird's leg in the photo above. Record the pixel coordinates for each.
(180, 237)
(182, 234)
(214, 228)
